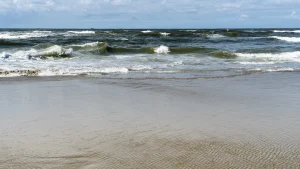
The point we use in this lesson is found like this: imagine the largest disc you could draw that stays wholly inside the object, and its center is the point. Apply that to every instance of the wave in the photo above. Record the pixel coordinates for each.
(286, 31)
(287, 39)
(224, 55)
(189, 30)
(95, 47)
(54, 51)
(10, 43)
(231, 34)
(164, 33)
(92, 44)
(162, 49)
(104, 48)
(255, 63)
(62, 71)
(22, 35)
(215, 36)
(147, 31)
(82, 32)
(284, 56)
(280, 69)
(38, 31)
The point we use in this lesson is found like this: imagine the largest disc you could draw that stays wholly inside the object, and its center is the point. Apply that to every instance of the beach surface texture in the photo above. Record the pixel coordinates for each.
(149, 99)
(241, 122)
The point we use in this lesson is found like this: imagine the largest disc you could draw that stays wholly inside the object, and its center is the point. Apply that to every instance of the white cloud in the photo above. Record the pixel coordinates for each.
(143, 6)
(243, 16)
(293, 14)
(228, 6)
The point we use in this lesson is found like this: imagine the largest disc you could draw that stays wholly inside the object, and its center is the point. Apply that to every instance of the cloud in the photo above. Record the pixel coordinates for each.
(293, 14)
(228, 6)
(243, 16)
(198, 12)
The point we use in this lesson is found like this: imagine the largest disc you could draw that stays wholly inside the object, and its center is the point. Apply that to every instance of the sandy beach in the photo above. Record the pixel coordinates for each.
(88, 122)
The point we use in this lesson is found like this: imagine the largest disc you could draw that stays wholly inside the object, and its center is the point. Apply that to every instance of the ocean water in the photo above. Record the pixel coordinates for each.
(188, 54)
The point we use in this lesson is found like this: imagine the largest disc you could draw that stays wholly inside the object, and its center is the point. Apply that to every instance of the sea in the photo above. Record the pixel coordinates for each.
(148, 53)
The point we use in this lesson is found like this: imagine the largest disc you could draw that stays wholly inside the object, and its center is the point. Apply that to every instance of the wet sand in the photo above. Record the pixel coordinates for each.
(80, 122)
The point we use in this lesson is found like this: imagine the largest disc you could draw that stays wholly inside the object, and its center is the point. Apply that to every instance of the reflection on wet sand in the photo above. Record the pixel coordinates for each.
(84, 123)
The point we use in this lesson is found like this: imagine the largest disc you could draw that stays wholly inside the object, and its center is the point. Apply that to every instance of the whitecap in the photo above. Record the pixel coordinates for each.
(39, 31)
(147, 31)
(54, 50)
(255, 63)
(92, 44)
(82, 32)
(22, 35)
(284, 56)
(162, 49)
(286, 31)
(287, 39)
(280, 69)
(215, 36)
(164, 33)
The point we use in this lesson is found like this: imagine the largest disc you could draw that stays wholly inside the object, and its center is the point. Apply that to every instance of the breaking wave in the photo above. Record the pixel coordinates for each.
(286, 31)
(164, 33)
(284, 56)
(287, 39)
(224, 55)
(215, 36)
(54, 51)
(162, 49)
(63, 71)
(23, 35)
(147, 31)
(82, 32)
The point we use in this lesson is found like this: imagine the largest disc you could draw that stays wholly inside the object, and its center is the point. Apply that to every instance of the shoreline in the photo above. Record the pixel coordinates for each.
(78, 122)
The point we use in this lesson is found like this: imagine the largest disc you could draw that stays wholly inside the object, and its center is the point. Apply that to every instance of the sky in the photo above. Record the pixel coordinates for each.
(150, 14)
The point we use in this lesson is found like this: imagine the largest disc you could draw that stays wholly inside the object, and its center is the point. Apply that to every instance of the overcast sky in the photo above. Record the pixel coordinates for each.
(149, 13)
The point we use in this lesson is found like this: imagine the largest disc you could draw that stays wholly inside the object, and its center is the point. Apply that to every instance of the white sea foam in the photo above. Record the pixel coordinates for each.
(22, 35)
(141, 67)
(286, 31)
(114, 70)
(92, 44)
(287, 39)
(38, 31)
(176, 63)
(285, 56)
(279, 69)
(255, 63)
(164, 33)
(78, 70)
(215, 36)
(147, 31)
(82, 32)
(59, 70)
(162, 49)
(53, 50)
(189, 30)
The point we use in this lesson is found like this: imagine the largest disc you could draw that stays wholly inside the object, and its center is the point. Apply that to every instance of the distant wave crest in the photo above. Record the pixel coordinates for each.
(287, 39)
